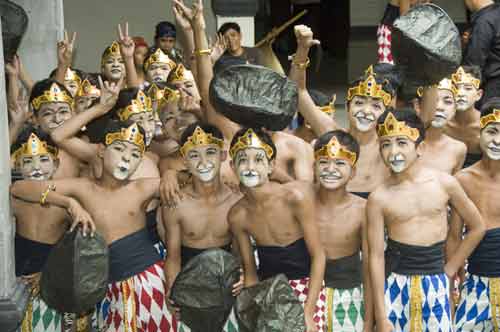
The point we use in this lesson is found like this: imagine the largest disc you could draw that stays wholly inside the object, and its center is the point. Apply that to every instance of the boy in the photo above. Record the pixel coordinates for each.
(465, 125)
(478, 309)
(341, 222)
(38, 227)
(412, 291)
(135, 298)
(439, 150)
(280, 218)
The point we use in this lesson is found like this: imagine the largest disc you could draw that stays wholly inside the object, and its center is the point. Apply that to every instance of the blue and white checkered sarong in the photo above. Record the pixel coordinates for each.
(419, 302)
(479, 306)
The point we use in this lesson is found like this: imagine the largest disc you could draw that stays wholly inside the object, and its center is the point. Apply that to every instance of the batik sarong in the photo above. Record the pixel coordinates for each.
(418, 303)
(301, 290)
(137, 304)
(344, 310)
(479, 306)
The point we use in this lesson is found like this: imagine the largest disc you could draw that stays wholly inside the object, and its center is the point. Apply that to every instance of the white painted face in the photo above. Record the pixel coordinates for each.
(158, 72)
(398, 152)
(72, 87)
(364, 112)
(489, 141)
(113, 68)
(52, 115)
(121, 159)
(204, 162)
(40, 167)
(445, 109)
(147, 121)
(333, 173)
(467, 96)
(252, 167)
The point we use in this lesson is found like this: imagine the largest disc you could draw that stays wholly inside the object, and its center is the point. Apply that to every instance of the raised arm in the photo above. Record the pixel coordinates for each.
(376, 260)
(64, 135)
(127, 48)
(205, 70)
(319, 121)
(64, 56)
(186, 37)
(304, 208)
(472, 219)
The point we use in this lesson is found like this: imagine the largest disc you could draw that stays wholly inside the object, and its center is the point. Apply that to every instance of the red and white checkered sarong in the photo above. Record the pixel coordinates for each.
(137, 304)
(301, 289)
(384, 41)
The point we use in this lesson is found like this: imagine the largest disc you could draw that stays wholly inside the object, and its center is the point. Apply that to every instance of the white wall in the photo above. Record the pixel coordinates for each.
(45, 26)
(96, 24)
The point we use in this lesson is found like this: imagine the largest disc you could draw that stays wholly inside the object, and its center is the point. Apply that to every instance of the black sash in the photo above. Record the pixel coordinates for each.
(151, 225)
(344, 272)
(188, 252)
(361, 194)
(30, 255)
(485, 260)
(131, 255)
(408, 259)
(293, 261)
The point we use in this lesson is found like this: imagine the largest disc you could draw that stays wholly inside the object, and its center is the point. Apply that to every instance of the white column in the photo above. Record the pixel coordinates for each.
(13, 295)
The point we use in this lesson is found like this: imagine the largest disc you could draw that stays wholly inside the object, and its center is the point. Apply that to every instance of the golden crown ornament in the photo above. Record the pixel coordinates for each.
(141, 104)
(34, 147)
(369, 88)
(130, 134)
(52, 95)
(159, 57)
(88, 90)
(334, 150)
(490, 118)
(393, 127)
(461, 77)
(200, 138)
(250, 140)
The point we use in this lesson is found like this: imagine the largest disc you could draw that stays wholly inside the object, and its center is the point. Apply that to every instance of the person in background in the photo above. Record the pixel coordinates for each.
(165, 39)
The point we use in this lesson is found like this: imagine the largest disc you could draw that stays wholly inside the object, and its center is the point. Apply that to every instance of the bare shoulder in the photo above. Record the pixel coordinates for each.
(290, 140)
(378, 197)
(146, 183)
(298, 191)
(357, 202)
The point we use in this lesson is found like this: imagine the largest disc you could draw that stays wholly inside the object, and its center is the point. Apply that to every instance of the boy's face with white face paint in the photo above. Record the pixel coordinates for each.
(204, 162)
(39, 167)
(121, 159)
(489, 141)
(252, 167)
(364, 112)
(445, 108)
(398, 152)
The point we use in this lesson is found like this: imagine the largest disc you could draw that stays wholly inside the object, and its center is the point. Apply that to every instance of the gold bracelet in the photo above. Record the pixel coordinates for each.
(301, 65)
(43, 197)
(207, 51)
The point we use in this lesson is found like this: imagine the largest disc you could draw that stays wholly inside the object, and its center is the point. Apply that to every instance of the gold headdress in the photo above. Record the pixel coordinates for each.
(159, 57)
(88, 90)
(164, 95)
(393, 127)
(53, 95)
(330, 108)
(447, 84)
(198, 138)
(71, 75)
(113, 49)
(140, 104)
(130, 134)
(461, 77)
(178, 74)
(369, 88)
(335, 150)
(490, 118)
(34, 147)
(250, 140)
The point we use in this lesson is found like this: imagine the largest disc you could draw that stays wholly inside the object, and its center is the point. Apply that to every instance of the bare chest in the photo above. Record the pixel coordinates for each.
(69, 167)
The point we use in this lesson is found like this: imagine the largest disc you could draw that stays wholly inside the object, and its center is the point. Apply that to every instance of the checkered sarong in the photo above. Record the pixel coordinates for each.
(418, 303)
(479, 306)
(344, 310)
(301, 290)
(384, 41)
(137, 304)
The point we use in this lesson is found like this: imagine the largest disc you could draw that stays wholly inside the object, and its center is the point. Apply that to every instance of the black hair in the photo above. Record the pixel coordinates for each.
(207, 128)
(490, 105)
(319, 98)
(390, 72)
(343, 137)
(25, 134)
(114, 126)
(165, 28)
(409, 117)
(474, 70)
(41, 86)
(263, 136)
(79, 73)
(228, 26)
